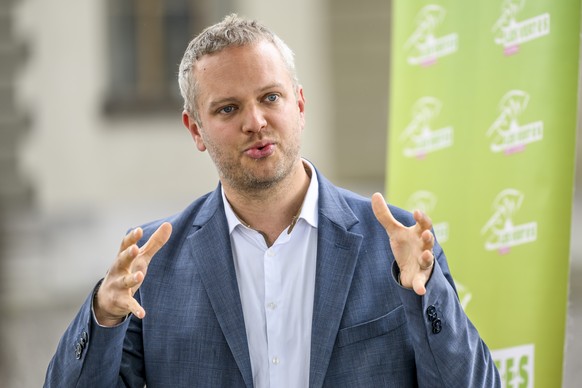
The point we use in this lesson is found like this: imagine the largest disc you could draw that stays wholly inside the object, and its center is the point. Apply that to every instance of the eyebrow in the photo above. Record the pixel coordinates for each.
(222, 101)
(274, 85)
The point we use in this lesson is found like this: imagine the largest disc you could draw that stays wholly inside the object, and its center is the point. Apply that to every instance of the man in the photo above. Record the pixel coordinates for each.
(277, 278)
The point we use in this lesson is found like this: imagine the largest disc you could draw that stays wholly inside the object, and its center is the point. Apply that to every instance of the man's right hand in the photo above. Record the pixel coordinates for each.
(114, 300)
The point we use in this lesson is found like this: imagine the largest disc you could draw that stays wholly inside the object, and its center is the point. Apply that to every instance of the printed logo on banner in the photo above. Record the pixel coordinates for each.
(515, 365)
(419, 137)
(423, 45)
(426, 202)
(511, 33)
(501, 233)
(508, 135)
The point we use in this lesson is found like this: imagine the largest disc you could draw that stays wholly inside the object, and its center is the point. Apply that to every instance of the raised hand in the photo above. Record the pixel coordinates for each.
(114, 300)
(412, 246)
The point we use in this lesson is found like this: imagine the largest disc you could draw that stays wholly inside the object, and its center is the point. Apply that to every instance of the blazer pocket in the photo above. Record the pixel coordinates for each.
(371, 329)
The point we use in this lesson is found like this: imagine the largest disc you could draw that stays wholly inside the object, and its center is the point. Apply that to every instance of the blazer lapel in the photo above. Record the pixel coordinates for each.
(210, 246)
(337, 253)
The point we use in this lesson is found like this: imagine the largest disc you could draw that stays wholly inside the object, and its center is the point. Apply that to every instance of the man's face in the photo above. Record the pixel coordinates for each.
(251, 118)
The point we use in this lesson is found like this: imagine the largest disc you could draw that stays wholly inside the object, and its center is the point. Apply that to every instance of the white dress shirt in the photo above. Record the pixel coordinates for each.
(277, 286)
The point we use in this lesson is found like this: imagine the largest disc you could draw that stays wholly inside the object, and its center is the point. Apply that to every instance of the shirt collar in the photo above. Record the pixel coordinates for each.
(308, 209)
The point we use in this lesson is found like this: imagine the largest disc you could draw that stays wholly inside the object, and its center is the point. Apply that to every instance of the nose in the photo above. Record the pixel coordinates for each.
(254, 119)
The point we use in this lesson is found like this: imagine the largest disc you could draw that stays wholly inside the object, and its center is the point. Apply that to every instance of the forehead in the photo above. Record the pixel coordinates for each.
(239, 68)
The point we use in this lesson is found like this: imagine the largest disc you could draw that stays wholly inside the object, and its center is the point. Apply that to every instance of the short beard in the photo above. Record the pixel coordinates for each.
(232, 173)
(252, 184)
(248, 183)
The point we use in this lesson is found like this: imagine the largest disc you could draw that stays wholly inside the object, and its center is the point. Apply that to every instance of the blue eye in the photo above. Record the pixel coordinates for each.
(227, 109)
(272, 97)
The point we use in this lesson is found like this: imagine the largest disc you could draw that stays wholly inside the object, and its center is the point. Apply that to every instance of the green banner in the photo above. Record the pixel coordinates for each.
(482, 125)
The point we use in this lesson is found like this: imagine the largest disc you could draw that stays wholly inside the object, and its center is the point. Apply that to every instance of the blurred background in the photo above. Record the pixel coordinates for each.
(91, 141)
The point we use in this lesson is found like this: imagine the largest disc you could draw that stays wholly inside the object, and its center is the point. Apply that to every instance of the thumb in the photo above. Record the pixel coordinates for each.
(383, 214)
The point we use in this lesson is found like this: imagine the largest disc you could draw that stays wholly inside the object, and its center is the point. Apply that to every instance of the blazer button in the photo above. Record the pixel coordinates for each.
(436, 326)
(78, 350)
(431, 313)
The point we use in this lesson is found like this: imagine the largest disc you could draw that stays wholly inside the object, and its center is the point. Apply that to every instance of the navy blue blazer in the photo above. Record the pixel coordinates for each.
(367, 330)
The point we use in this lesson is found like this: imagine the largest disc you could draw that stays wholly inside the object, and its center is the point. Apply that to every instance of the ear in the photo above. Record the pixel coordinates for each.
(192, 126)
(301, 104)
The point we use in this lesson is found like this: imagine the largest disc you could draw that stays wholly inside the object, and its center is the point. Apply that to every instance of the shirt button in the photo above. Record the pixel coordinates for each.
(272, 306)
(270, 252)
(276, 360)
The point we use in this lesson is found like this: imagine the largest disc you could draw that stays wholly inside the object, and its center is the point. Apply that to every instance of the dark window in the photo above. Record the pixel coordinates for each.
(146, 40)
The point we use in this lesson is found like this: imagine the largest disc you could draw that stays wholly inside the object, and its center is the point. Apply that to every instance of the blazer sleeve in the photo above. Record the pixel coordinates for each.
(89, 355)
(448, 349)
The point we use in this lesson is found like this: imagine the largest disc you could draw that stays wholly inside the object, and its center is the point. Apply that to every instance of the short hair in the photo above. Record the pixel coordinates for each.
(231, 31)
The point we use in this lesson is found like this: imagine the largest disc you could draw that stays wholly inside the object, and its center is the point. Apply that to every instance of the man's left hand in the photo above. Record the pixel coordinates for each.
(412, 246)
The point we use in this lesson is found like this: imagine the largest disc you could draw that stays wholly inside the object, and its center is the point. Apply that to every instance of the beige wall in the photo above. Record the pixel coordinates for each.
(360, 67)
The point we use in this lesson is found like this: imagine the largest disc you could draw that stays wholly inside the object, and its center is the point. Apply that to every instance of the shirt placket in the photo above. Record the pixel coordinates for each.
(273, 315)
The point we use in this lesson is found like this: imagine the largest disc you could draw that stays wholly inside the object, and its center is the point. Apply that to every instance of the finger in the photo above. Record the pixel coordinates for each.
(131, 238)
(425, 263)
(383, 214)
(422, 220)
(427, 240)
(131, 280)
(126, 257)
(426, 260)
(136, 309)
(419, 283)
(156, 241)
